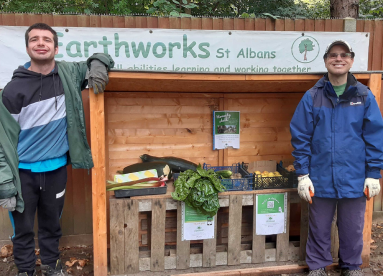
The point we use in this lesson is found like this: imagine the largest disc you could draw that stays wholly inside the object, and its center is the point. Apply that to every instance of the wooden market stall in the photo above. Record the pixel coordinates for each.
(168, 114)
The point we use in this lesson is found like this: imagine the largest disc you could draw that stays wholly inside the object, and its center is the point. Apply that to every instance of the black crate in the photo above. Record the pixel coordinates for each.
(246, 183)
(291, 176)
(243, 169)
(277, 182)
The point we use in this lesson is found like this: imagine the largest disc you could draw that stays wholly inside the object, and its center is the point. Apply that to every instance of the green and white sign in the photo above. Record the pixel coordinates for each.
(226, 126)
(202, 51)
(196, 226)
(271, 214)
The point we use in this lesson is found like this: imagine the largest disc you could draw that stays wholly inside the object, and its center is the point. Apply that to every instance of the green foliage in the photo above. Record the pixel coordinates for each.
(371, 8)
(315, 8)
(219, 8)
(170, 8)
(47, 6)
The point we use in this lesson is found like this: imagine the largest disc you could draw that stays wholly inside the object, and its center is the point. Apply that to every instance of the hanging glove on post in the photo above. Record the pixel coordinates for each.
(371, 187)
(97, 76)
(8, 203)
(305, 188)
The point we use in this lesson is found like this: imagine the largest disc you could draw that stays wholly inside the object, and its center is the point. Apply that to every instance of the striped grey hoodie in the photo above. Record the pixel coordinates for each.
(37, 103)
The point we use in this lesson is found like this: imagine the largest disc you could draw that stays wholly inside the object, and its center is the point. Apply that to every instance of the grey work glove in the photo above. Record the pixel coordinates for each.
(304, 187)
(8, 203)
(373, 187)
(97, 76)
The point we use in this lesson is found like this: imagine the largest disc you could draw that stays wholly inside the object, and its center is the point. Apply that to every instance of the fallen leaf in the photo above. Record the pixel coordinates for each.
(82, 263)
(37, 252)
(71, 262)
(372, 241)
(79, 267)
(6, 251)
(5, 260)
(373, 246)
(69, 271)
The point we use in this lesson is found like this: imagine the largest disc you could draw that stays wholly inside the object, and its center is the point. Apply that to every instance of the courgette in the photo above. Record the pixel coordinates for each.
(224, 173)
(176, 164)
(162, 168)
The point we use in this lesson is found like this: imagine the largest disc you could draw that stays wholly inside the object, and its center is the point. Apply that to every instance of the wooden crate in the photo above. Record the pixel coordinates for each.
(128, 254)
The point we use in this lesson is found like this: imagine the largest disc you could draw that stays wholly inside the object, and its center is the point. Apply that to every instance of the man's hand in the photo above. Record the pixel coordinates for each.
(304, 187)
(97, 76)
(8, 203)
(373, 186)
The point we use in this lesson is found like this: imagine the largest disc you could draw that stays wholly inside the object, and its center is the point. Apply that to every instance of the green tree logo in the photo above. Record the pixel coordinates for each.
(306, 45)
(302, 45)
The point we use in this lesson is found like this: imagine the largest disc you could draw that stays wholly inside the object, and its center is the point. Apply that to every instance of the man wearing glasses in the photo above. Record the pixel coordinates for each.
(337, 132)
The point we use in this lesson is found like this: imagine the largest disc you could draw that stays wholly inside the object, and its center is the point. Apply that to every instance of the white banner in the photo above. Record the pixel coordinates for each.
(250, 52)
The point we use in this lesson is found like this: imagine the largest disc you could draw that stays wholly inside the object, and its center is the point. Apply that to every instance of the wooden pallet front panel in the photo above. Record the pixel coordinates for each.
(126, 256)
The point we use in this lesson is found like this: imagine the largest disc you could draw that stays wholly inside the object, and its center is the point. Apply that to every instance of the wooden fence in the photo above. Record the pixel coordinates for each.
(77, 215)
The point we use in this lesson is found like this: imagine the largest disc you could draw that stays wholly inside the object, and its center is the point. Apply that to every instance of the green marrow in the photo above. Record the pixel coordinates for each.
(162, 168)
(176, 164)
(224, 173)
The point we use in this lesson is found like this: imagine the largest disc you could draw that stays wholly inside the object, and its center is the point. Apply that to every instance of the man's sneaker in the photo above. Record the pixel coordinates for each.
(355, 272)
(318, 272)
(48, 271)
(26, 273)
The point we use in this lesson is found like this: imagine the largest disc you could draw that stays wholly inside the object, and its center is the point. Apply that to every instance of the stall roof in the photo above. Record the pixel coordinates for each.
(189, 82)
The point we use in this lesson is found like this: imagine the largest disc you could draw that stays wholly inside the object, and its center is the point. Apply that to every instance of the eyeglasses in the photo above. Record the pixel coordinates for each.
(342, 55)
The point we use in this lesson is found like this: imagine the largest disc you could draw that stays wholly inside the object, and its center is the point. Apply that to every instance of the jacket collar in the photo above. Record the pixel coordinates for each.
(353, 88)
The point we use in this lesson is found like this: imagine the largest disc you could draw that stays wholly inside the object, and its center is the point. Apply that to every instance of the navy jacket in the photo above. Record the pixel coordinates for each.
(338, 141)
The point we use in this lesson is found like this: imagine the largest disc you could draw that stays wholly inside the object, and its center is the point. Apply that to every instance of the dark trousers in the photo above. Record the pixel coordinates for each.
(350, 221)
(43, 192)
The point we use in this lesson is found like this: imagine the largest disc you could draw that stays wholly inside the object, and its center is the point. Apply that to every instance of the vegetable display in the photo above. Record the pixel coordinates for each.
(150, 182)
(176, 164)
(199, 189)
(162, 168)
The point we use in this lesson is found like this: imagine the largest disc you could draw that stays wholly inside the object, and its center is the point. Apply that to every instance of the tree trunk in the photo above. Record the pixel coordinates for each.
(187, 11)
(344, 8)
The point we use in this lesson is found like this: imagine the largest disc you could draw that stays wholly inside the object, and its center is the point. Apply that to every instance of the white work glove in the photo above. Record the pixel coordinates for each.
(8, 203)
(97, 76)
(373, 186)
(304, 187)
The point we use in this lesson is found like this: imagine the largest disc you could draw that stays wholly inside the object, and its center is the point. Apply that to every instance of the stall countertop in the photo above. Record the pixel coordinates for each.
(170, 189)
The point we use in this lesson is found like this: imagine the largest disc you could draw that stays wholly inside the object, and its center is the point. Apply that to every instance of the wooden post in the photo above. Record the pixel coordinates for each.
(209, 252)
(183, 247)
(235, 227)
(131, 244)
(157, 255)
(283, 239)
(97, 124)
(375, 84)
(258, 247)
